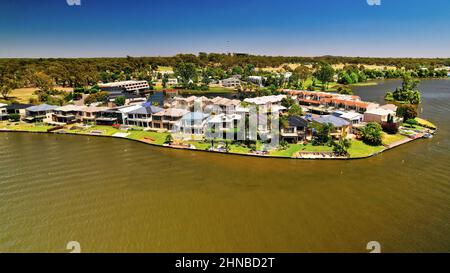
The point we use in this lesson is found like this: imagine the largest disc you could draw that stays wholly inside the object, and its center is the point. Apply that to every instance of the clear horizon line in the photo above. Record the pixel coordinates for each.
(251, 54)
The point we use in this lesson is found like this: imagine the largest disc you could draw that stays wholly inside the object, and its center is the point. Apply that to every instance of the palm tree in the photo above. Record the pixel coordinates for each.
(341, 147)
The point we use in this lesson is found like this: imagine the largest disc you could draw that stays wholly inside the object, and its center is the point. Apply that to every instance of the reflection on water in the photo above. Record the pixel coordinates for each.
(115, 195)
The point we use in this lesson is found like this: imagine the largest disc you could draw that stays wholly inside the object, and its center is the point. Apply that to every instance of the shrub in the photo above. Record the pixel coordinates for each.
(168, 139)
(412, 122)
(390, 127)
(14, 117)
(97, 97)
(119, 101)
(371, 134)
(345, 90)
(283, 145)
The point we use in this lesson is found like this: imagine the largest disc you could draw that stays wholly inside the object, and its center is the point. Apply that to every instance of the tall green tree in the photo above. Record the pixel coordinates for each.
(408, 93)
(295, 110)
(186, 72)
(323, 133)
(303, 72)
(42, 81)
(324, 74)
(407, 111)
(7, 84)
(165, 80)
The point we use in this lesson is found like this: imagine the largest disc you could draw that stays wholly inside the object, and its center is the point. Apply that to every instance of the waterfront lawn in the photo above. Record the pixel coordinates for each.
(159, 138)
(425, 123)
(199, 145)
(289, 152)
(293, 148)
(360, 149)
(106, 130)
(22, 126)
(234, 148)
(318, 148)
(389, 139)
(238, 149)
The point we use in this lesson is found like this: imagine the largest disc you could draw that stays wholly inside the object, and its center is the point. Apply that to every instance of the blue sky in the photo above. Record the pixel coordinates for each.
(396, 28)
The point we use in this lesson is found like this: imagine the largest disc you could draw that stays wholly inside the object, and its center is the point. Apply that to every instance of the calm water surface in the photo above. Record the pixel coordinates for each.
(114, 195)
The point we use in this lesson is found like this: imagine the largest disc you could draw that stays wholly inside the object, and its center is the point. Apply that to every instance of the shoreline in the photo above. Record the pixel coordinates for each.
(391, 146)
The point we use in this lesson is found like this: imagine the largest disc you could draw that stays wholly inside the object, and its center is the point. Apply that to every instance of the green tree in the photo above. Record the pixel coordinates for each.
(287, 102)
(345, 90)
(407, 93)
(7, 84)
(407, 111)
(341, 147)
(283, 121)
(295, 110)
(42, 81)
(372, 134)
(344, 78)
(186, 72)
(168, 139)
(324, 74)
(97, 97)
(165, 80)
(283, 145)
(206, 74)
(323, 133)
(237, 70)
(303, 72)
(119, 101)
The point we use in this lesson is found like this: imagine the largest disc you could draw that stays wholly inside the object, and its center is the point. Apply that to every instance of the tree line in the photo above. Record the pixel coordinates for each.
(198, 71)
(87, 71)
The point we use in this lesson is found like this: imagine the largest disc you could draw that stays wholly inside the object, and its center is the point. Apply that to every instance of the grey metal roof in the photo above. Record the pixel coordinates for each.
(336, 121)
(18, 106)
(297, 121)
(42, 108)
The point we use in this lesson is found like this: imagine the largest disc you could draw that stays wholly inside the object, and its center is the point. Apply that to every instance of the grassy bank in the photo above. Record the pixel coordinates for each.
(358, 148)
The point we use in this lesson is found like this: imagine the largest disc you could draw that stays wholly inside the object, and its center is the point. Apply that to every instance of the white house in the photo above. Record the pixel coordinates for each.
(3, 111)
(378, 115)
(231, 82)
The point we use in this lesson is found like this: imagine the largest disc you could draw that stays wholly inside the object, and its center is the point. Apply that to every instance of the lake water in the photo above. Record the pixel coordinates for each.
(115, 195)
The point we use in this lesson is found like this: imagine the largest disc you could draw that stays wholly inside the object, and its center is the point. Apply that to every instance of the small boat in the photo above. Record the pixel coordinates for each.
(428, 135)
